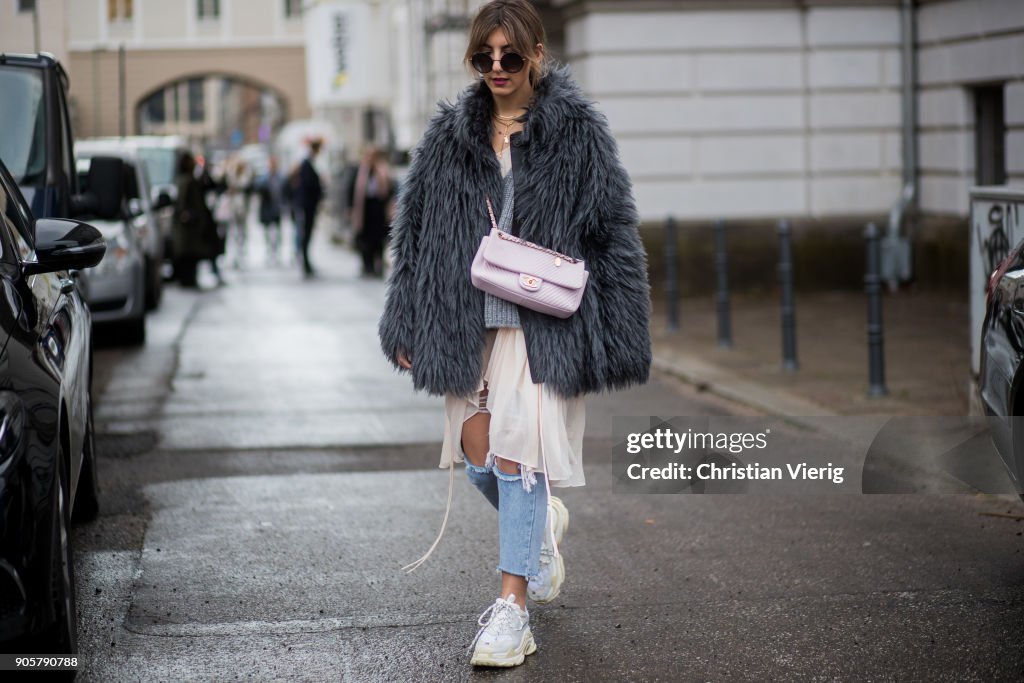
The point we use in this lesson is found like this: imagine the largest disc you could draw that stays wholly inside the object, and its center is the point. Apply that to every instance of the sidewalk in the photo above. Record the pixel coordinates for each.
(927, 353)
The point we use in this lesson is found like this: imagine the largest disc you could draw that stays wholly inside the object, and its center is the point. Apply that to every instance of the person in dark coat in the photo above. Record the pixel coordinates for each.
(527, 139)
(271, 190)
(372, 191)
(310, 192)
(195, 231)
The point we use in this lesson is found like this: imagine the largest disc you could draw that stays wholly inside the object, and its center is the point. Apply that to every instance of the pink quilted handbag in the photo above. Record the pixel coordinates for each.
(528, 274)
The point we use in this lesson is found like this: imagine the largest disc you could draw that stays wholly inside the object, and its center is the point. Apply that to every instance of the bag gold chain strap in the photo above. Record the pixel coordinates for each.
(512, 238)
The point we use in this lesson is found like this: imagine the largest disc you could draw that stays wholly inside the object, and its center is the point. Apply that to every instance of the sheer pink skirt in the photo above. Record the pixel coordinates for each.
(530, 425)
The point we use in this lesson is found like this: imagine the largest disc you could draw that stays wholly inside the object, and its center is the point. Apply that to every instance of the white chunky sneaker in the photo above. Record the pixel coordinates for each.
(504, 638)
(558, 516)
(546, 586)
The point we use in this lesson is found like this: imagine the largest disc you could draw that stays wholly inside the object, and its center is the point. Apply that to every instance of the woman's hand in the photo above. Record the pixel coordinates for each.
(403, 360)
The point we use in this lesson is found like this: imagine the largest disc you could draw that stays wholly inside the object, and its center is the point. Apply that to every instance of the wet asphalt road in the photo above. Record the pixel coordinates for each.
(265, 475)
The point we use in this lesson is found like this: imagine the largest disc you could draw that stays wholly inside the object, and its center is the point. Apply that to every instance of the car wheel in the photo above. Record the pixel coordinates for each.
(154, 285)
(133, 331)
(62, 636)
(87, 493)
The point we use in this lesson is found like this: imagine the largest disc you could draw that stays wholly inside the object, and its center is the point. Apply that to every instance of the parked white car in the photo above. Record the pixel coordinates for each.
(128, 281)
(159, 157)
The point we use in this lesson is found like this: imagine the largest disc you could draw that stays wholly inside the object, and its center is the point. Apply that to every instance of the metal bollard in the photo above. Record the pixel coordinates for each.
(789, 363)
(722, 273)
(873, 288)
(671, 275)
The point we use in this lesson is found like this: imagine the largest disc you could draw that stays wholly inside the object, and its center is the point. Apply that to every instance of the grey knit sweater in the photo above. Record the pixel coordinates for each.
(498, 312)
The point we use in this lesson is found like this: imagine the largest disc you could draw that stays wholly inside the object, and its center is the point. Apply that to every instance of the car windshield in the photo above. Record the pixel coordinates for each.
(22, 111)
(159, 165)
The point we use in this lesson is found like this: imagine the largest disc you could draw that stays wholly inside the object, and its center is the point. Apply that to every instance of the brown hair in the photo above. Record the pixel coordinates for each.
(521, 24)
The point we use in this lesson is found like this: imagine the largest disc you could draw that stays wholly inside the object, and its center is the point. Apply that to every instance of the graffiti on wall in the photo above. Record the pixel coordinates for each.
(1002, 224)
(994, 231)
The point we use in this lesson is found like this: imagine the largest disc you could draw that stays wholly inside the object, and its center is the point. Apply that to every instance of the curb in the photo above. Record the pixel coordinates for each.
(716, 380)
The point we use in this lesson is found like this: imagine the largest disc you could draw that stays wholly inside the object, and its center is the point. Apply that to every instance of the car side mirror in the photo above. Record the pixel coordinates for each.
(65, 245)
(106, 192)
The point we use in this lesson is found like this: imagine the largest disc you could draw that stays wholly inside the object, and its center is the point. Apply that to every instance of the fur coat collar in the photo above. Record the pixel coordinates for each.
(571, 194)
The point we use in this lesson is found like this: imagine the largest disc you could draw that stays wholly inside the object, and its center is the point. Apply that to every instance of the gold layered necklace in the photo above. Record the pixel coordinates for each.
(508, 122)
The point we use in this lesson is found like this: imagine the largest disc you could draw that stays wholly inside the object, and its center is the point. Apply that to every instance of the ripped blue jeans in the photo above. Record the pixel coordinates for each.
(522, 515)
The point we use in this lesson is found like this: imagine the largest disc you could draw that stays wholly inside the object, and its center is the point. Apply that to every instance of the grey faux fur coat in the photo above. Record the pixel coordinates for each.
(572, 195)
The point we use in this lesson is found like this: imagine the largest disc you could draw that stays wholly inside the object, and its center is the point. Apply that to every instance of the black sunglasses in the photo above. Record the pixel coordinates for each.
(510, 62)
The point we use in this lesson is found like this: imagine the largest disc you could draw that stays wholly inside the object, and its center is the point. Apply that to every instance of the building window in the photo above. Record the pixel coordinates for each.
(154, 108)
(989, 136)
(292, 9)
(208, 9)
(119, 10)
(26, 5)
(196, 106)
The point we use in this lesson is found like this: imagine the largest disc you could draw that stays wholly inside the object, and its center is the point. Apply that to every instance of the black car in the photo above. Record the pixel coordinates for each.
(1002, 372)
(47, 461)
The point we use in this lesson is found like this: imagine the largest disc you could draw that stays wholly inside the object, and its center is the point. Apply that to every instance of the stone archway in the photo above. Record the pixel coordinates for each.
(214, 109)
(104, 108)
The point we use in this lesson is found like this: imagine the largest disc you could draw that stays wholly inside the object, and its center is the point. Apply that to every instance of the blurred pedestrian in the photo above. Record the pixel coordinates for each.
(310, 192)
(526, 139)
(233, 208)
(195, 230)
(291, 200)
(271, 190)
(371, 200)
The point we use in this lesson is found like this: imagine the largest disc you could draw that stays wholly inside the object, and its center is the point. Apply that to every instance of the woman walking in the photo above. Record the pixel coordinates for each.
(195, 231)
(371, 196)
(524, 140)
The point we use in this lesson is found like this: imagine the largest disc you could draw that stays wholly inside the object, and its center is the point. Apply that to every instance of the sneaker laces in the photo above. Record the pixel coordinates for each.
(499, 614)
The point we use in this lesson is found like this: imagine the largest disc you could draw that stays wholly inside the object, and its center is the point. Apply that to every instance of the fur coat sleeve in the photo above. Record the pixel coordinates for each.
(397, 326)
(618, 263)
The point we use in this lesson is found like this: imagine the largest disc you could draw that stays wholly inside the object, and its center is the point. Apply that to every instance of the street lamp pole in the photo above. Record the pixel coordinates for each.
(35, 24)
(122, 103)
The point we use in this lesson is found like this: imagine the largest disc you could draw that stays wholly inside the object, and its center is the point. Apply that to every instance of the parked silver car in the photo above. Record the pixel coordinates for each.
(116, 288)
(160, 155)
(144, 206)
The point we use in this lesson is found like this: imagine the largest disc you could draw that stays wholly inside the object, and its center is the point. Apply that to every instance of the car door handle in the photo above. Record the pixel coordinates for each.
(67, 285)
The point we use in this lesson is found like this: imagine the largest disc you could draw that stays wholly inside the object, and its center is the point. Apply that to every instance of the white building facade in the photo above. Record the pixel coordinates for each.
(762, 109)
(967, 51)
(758, 109)
(377, 68)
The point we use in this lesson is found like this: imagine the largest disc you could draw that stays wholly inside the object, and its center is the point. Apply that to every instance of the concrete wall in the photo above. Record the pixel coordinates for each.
(163, 20)
(743, 112)
(963, 44)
